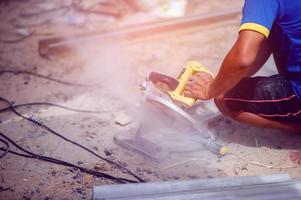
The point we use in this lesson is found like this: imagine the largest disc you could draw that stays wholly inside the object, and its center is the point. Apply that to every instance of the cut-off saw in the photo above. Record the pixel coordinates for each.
(167, 93)
(164, 94)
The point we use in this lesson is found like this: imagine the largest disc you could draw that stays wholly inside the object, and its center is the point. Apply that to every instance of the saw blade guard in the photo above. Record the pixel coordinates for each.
(163, 104)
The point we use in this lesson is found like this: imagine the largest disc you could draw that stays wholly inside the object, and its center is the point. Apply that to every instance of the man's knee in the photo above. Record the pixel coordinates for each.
(221, 105)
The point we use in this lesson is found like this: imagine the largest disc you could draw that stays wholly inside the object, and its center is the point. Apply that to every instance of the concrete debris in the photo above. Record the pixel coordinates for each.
(123, 119)
(101, 167)
(108, 152)
(23, 32)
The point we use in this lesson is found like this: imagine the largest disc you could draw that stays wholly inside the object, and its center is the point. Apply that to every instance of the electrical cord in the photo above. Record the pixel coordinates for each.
(57, 161)
(20, 39)
(70, 141)
(5, 150)
(48, 104)
(18, 72)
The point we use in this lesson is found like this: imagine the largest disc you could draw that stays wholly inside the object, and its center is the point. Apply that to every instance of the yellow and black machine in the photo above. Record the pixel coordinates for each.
(177, 102)
(167, 95)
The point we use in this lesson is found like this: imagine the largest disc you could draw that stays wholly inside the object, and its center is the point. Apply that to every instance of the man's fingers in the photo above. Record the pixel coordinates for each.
(205, 75)
(189, 83)
(196, 85)
(188, 94)
(195, 80)
(201, 78)
(192, 79)
(188, 87)
(188, 91)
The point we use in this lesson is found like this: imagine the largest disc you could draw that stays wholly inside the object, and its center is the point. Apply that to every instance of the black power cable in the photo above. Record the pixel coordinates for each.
(48, 104)
(18, 72)
(5, 150)
(57, 161)
(70, 141)
(20, 39)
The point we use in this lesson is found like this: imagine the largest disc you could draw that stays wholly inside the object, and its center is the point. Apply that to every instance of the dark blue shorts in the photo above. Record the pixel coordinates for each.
(270, 97)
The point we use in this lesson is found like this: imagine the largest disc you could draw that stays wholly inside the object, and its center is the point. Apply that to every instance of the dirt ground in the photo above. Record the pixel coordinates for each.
(115, 70)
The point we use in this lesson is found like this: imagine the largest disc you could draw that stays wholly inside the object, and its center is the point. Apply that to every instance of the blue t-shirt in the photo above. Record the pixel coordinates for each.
(280, 22)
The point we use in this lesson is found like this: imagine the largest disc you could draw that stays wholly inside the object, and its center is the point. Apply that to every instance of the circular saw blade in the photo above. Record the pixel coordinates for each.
(168, 104)
(163, 102)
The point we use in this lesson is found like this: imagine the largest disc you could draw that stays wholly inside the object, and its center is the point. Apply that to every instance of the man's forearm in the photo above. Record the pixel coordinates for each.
(231, 72)
(246, 57)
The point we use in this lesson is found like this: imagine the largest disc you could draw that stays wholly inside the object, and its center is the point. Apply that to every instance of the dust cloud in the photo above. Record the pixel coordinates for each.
(109, 63)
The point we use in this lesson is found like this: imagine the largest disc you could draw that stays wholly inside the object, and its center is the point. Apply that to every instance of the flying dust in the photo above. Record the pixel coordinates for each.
(109, 63)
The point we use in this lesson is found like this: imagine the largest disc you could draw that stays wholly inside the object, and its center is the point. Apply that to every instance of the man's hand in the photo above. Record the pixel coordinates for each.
(198, 86)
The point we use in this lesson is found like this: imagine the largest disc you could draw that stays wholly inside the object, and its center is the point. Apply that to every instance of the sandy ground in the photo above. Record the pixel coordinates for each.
(117, 70)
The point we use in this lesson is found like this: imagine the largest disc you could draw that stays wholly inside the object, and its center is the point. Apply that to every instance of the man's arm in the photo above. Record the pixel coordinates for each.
(246, 57)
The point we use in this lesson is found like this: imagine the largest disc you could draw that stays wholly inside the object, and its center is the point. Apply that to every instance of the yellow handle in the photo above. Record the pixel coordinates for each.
(190, 68)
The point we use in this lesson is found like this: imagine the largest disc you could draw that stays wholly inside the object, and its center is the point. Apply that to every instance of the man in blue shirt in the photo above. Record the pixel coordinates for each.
(269, 27)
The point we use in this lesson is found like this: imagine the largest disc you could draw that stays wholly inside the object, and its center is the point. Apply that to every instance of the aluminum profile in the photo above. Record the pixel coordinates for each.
(250, 188)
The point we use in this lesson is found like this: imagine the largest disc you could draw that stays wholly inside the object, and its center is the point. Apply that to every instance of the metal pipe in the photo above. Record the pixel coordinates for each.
(218, 188)
(138, 31)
